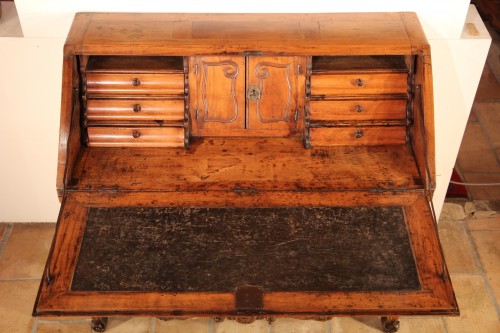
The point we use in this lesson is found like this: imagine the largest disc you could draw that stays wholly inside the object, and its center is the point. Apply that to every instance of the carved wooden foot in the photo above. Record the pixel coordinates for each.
(390, 324)
(98, 324)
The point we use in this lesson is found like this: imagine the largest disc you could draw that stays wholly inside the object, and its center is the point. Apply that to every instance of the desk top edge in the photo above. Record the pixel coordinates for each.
(230, 33)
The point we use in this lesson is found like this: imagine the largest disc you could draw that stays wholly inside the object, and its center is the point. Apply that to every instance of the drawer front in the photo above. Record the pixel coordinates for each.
(135, 110)
(136, 136)
(358, 136)
(356, 84)
(135, 84)
(358, 109)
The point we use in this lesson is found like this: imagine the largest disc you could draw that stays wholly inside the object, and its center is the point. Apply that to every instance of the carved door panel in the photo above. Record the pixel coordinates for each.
(217, 90)
(253, 96)
(275, 94)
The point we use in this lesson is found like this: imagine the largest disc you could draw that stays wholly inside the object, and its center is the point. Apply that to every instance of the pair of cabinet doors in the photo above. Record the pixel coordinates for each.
(246, 95)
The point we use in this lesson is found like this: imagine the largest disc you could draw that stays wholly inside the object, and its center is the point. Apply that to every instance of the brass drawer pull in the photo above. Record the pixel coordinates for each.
(136, 134)
(136, 107)
(136, 82)
(359, 82)
(358, 134)
(358, 108)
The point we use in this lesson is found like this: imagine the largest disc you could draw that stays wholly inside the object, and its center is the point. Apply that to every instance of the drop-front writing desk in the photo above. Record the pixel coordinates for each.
(246, 166)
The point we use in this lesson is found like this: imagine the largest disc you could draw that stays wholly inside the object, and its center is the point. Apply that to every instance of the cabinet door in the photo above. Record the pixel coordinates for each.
(217, 90)
(275, 94)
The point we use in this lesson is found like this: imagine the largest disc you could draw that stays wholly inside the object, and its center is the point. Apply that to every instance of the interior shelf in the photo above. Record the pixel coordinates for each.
(251, 164)
(385, 63)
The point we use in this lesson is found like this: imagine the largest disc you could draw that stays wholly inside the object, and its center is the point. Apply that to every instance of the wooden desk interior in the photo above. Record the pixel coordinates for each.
(246, 166)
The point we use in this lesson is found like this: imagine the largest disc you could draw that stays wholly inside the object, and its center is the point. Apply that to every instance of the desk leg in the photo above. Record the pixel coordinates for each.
(98, 324)
(390, 324)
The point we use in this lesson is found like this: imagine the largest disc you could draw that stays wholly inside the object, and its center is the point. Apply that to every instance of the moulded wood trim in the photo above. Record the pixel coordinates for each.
(435, 297)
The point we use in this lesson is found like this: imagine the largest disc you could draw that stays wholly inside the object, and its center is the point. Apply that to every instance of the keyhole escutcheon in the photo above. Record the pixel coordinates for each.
(253, 93)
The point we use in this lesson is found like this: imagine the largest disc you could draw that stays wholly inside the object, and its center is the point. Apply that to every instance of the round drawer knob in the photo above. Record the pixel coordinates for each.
(136, 107)
(358, 108)
(359, 82)
(136, 82)
(136, 134)
(358, 134)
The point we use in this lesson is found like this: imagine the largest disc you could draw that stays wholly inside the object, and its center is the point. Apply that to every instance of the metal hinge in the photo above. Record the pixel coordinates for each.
(197, 113)
(195, 69)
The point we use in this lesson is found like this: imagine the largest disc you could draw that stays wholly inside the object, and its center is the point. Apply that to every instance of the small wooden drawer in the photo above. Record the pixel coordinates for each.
(358, 109)
(136, 136)
(356, 84)
(358, 136)
(135, 84)
(135, 110)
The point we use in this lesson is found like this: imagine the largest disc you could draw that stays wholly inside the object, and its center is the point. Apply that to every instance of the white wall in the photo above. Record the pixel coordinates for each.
(30, 79)
(30, 86)
(441, 19)
(457, 66)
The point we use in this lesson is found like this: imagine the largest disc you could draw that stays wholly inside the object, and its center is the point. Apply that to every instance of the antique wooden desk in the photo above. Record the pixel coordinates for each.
(246, 166)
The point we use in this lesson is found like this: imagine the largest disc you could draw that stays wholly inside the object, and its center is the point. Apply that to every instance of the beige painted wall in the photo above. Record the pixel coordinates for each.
(30, 82)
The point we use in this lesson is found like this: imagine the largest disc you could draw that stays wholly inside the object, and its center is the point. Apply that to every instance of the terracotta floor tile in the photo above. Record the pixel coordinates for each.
(373, 325)
(472, 116)
(63, 326)
(483, 192)
(486, 206)
(289, 325)
(477, 312)
(57, 319)
(475, 153)
(489, 87)
(457, 250)
(493, 58)
(492, 223)
(16, 304)
(198, 325)
(128, 324)
(3, 229)
(452, 211)
(26, 251)
(232, 326)
(488, 247)
(115, 325)
(488, 114)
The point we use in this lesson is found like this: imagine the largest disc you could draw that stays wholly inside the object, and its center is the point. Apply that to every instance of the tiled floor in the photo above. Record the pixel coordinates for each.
(471, 246)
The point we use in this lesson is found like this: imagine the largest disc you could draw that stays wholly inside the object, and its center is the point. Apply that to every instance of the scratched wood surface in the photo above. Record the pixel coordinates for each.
(174, 34)
(219, 249)
(260, 174)
(246, 164)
